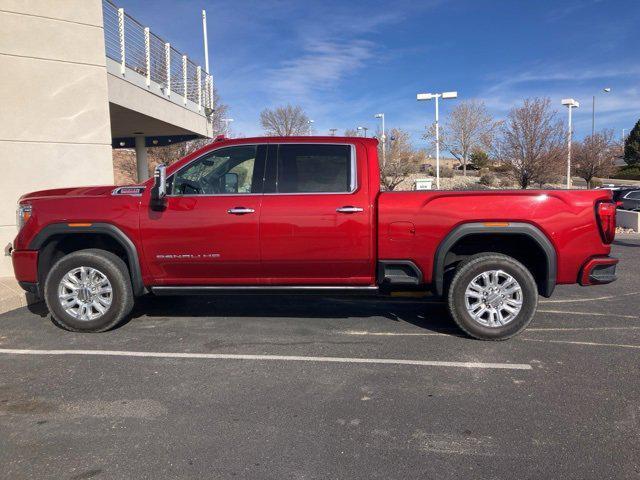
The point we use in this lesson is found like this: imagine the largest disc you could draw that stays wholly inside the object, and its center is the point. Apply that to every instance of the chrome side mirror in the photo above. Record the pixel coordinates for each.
(159, 189)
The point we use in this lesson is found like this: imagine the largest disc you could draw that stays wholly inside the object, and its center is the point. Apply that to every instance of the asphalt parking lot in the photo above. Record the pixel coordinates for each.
(318, 388)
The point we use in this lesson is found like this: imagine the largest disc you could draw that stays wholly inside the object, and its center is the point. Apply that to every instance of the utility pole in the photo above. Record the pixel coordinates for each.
(383, 139)
(570, 103)
(436, 96)
(593, 111)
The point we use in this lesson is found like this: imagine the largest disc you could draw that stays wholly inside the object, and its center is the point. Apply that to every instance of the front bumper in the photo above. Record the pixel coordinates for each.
(25, 265)
(598, 271)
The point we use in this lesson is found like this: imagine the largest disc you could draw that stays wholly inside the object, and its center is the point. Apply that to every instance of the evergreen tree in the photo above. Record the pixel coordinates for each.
(632, 146)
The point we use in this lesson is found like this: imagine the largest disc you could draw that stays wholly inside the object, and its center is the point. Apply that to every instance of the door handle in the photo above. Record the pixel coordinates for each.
(349, 209)
(240, 211)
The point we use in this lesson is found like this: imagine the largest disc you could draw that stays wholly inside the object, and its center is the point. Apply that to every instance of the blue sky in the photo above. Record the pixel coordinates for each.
(345, 61)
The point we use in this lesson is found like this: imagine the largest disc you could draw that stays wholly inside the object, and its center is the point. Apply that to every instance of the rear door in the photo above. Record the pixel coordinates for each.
(316, 220)
(208, 232)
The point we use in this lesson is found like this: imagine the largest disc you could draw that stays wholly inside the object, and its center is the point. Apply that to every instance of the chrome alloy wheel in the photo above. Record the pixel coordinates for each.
(85, 293)
(493, 298)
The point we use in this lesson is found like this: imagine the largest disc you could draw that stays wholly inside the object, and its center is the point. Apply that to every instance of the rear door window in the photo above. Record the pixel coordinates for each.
(315, 168)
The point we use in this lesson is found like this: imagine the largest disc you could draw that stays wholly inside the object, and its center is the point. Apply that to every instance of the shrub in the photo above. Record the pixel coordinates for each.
(446, 172)
(489, 179)
(631, 172)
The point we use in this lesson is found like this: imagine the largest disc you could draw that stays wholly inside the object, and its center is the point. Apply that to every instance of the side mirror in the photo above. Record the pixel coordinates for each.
(230, 183)
(159, 189)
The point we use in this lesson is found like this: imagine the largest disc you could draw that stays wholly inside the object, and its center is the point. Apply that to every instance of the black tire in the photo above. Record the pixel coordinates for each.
(113, 268)
(467, 271)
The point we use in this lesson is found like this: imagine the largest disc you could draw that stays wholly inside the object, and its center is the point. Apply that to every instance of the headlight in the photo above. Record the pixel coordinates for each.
(23, 213)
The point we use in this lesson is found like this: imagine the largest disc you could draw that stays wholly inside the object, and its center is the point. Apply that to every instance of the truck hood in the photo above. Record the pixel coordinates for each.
(97, 191)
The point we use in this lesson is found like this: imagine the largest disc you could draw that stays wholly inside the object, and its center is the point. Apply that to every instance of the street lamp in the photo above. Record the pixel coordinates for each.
(383, 138)
(310, 126)
(364, 130)
(429, 96)
(226, 122)
(593, 111)
(332, 131)
(570, 103)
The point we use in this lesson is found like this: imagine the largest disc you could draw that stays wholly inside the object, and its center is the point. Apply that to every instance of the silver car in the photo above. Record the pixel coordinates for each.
(631, 200)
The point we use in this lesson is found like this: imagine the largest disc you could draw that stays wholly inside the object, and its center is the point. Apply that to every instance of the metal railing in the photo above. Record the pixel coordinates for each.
(133, 46)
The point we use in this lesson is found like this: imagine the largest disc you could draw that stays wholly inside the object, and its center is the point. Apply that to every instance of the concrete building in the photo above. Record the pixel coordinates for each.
(81, 77)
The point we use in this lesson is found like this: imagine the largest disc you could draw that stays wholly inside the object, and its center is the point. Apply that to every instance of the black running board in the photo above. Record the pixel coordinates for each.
(266, 289)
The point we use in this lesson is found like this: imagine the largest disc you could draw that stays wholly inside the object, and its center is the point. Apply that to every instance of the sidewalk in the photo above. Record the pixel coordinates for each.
(12, 296)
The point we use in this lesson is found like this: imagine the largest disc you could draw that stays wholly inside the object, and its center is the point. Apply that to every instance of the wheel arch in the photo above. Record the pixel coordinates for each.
(509, 232)
(52, 235)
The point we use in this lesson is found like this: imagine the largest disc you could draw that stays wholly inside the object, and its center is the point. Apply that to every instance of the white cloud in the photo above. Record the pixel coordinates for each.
(320, 67)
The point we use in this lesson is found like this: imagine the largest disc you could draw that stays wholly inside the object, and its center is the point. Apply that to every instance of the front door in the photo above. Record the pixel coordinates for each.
(316, 218)
(209, 231)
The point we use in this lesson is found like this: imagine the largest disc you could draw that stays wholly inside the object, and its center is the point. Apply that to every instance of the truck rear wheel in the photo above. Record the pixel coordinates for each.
(89, 291)
(492, 296)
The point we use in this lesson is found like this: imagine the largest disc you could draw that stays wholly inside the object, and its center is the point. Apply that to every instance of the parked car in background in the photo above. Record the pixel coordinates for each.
(619, 191)
(631, 200)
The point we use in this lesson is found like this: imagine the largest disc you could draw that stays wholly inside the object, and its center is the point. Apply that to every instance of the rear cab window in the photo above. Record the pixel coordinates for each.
(314, 168)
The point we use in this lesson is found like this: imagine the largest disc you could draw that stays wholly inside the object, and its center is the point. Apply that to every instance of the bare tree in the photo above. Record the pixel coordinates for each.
(595, 156)
(401, 159)
(532, 142)
(468, 127)
(218, 112)
(285, 121)
(125, 170)
(172, 153)
(351, 132)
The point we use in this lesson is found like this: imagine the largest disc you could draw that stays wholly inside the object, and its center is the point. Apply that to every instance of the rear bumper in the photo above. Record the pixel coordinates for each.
(598, 271)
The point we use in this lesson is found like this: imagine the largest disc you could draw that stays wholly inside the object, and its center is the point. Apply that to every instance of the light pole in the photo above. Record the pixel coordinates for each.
(364, 130)
(310, 126)
(570, 103)
(593, 111)
(383, 138)
(226, 121)
(429, 96)
(332, 131)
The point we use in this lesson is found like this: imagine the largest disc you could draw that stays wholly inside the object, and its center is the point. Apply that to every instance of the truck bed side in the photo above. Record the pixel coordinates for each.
(412, 225)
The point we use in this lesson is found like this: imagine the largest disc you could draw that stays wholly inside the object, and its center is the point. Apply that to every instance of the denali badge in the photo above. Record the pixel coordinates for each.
(187, 256)
(134, 191)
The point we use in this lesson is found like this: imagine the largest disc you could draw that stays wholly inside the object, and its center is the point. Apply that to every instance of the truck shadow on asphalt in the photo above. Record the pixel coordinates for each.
(428, 314)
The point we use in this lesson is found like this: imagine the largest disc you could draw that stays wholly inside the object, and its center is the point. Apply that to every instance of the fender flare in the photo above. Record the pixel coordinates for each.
(102, 228)
(513, 228)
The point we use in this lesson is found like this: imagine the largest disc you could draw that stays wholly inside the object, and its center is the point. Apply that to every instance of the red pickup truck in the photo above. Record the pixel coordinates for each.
(306, 214)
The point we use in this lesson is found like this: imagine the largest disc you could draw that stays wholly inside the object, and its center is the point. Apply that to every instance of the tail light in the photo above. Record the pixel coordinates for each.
(606, 213)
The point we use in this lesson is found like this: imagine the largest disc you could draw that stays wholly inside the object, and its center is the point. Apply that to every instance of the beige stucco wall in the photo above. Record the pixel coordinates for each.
(54, 114)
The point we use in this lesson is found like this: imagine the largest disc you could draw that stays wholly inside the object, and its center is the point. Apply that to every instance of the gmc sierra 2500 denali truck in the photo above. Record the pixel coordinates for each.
(306, 214)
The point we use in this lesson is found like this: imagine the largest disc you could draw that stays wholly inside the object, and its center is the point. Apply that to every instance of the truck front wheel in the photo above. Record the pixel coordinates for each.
(492, 296)
(89, 291)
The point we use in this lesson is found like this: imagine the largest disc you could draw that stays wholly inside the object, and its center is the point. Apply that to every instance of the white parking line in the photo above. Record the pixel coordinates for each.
(577, 329)
(291, 358)
(594, 314)
(454, 332)
(592, 344)
(397, 334)
(575, 300)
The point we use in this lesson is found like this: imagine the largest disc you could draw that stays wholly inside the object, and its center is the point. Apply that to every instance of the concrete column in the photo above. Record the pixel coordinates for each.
(141, 159)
